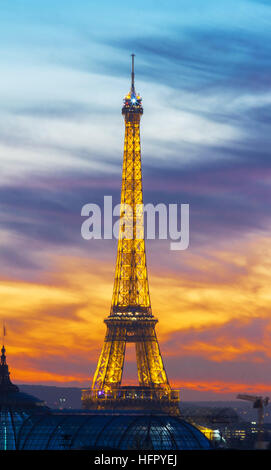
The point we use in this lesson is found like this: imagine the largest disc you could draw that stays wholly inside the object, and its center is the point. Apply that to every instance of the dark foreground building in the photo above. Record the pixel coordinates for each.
(15, 408)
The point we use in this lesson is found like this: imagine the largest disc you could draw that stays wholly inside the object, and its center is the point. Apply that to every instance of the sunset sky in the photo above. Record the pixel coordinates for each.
(204, 72)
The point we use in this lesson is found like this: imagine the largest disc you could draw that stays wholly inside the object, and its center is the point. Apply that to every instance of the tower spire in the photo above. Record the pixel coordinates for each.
(3, 356)
(133, 74)
(5, 382)
(3, 333)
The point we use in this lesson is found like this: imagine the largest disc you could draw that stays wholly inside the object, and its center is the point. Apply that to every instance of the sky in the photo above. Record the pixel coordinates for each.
(204, 72)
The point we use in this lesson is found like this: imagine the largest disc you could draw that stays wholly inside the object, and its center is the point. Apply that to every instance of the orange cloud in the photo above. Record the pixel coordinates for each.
(233, 283)
(55, 326)
(224, 387)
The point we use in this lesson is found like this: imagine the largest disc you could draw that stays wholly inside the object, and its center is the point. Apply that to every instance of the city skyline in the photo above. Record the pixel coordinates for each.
(205, 85)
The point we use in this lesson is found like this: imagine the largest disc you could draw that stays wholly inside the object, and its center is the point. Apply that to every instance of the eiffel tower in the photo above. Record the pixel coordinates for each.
(131, 319)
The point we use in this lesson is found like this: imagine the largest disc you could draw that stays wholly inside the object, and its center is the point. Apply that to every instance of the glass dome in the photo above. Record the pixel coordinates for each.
(97, 430)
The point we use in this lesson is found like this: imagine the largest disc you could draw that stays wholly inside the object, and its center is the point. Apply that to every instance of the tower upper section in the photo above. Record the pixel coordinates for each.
(132, 103)
(131, 290)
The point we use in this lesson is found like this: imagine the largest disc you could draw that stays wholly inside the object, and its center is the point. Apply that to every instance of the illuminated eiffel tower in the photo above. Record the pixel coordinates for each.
(131, 319)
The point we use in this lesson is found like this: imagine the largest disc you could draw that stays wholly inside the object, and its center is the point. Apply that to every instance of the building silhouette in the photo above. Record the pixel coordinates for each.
(15, 407)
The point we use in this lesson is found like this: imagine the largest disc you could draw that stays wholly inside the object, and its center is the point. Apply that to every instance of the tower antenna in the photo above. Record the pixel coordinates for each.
(133, 74)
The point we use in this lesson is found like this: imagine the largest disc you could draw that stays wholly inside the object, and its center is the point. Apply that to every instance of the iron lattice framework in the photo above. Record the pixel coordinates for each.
(131, 289)
(131, 318)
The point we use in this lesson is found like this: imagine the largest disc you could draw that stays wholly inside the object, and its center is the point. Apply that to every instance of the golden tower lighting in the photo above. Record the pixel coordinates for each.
(131, 319)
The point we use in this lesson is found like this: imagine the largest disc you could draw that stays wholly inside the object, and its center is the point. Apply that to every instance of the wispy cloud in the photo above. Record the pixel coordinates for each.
(204, 74)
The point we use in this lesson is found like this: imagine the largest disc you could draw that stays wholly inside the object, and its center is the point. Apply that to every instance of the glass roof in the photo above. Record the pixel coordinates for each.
(90, 430)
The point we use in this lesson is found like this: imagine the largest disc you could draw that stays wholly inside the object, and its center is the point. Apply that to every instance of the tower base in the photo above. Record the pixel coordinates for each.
(132, 398)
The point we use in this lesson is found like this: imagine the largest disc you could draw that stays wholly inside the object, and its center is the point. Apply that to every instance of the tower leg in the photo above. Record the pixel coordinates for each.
(151, 370)
(108, 374)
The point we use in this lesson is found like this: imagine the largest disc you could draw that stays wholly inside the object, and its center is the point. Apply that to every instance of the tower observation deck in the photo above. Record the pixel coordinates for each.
(131, 319)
